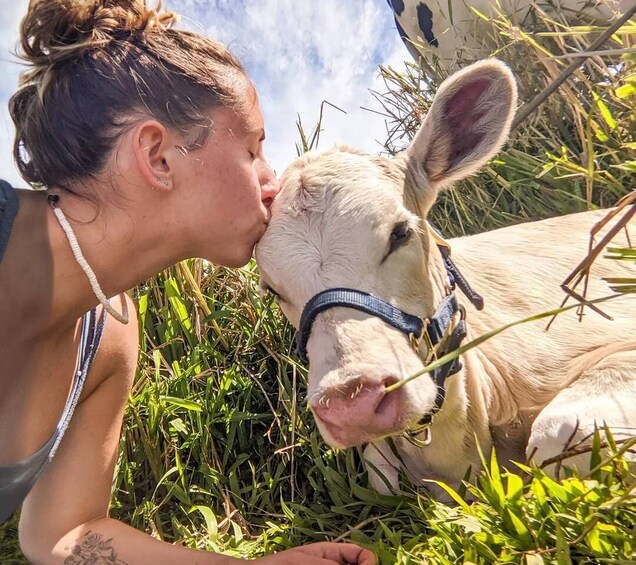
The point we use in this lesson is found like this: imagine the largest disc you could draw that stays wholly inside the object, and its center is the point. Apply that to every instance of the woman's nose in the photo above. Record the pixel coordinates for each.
(269, 185)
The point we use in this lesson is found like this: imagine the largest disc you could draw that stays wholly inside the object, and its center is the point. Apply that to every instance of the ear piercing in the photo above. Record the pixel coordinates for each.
(163, 182)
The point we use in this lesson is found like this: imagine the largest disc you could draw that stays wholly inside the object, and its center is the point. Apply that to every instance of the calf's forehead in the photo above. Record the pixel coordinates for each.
(320, 190)
(318, 180)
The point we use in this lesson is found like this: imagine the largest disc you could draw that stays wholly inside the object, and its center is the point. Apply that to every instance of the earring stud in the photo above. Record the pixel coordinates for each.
(163, 182)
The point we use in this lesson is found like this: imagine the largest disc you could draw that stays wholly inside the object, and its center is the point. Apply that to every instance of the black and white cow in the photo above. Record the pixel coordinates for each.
(454, 32)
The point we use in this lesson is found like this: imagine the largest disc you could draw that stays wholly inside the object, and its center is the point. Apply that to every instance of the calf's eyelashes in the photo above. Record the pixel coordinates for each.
(400, 236)
(267, 289)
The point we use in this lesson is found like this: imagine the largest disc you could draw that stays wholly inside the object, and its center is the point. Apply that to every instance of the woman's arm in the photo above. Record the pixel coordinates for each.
(95, 543)
(109, 541)
(64, 519)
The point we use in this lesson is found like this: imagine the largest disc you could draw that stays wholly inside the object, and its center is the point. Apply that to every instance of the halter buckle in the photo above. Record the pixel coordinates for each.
(416, 341)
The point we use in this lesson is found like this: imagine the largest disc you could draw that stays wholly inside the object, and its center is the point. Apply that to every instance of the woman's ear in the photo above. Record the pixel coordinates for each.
(154, 151)
(467, 124)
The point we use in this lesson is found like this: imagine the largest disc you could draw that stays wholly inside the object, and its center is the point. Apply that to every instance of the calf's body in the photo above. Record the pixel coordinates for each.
(529, 391)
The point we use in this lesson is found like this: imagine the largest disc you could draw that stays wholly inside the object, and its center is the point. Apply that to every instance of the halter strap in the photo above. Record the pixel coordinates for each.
(408, 324)
(454, 275)
(358, 300)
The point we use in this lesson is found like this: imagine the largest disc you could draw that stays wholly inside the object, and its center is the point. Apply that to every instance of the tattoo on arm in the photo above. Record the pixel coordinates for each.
(93, 549)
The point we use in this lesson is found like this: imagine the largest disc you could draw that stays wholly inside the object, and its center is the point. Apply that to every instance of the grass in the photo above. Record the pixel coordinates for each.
(218, 450)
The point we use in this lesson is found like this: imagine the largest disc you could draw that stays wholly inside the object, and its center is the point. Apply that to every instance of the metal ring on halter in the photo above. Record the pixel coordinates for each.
(411, 435)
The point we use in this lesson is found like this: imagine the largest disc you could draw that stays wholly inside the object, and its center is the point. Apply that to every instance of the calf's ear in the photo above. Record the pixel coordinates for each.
(467, 124)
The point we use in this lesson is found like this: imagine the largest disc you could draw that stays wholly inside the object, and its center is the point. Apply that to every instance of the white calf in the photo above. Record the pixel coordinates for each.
(350, 220)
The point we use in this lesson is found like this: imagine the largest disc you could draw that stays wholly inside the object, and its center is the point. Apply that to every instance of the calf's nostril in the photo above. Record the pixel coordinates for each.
(384, 404)
(389, 380)
(387, 404)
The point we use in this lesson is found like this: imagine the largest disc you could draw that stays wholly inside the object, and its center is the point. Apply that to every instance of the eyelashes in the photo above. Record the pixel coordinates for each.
(400, 236)
(266, 289)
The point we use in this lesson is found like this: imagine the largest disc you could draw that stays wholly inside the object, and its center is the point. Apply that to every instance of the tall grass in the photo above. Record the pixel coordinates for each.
(218, 450)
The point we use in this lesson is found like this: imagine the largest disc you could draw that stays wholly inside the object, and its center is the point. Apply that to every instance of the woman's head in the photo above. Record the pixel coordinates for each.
(100, 71)
(96, 66)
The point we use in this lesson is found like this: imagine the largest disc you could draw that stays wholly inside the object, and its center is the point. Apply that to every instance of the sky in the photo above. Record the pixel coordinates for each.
(298, 53)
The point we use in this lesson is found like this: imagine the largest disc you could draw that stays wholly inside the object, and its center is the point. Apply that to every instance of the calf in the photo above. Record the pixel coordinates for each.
(356, 223)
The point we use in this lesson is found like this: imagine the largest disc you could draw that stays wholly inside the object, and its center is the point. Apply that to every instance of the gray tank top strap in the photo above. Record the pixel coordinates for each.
(16, 480)
(8, 211)
(90, 338)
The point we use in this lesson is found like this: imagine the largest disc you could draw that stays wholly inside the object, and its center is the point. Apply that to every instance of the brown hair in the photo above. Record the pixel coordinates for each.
(94, 65)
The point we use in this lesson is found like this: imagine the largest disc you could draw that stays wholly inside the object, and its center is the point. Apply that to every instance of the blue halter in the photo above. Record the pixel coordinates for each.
(408, 324)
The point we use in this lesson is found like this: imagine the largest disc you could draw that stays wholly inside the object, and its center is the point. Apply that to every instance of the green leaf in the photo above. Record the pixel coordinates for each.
(514, 487)
(211, 522)
(519, 527)
(626, 90)
(562, 547)
(182, 403)
(605, 111)
(452, 493)
(554, 489)
(178, 425)
(596, 454)
(175, 298)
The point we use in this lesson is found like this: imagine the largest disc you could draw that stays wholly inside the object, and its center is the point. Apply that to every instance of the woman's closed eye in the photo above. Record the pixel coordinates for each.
(257, 151)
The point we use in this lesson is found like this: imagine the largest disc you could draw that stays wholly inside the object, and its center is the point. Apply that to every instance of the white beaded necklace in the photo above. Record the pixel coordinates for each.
(79, 257)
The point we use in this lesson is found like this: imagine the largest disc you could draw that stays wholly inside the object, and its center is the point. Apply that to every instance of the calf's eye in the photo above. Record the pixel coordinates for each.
(399, 236)
(266, 289)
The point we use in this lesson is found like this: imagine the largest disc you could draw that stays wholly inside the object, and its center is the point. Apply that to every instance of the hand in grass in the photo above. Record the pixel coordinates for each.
(323, 553)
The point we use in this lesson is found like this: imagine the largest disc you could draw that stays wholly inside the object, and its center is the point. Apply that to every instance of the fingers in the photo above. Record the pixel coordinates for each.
(342, 553)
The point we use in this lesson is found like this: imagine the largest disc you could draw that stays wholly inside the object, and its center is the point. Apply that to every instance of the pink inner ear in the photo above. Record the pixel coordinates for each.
(461, 115)
(464, 100)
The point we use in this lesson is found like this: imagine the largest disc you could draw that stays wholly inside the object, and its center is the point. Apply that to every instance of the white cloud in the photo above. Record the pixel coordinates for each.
(298, 53)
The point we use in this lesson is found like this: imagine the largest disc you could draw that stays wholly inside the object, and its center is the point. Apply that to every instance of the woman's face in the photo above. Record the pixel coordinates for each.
(229, 185)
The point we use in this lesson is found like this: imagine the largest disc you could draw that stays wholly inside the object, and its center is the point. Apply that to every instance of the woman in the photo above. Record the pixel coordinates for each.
(149, 144)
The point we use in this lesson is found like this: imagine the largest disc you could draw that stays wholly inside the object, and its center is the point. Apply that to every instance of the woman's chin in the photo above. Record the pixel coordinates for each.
(238, 262)
(232, 252)
(234, 259)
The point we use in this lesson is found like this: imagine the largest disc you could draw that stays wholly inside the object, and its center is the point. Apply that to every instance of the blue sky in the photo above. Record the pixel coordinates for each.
(297, 52)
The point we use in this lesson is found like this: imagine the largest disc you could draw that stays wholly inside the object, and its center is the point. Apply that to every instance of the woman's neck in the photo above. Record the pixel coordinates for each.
(40, 276)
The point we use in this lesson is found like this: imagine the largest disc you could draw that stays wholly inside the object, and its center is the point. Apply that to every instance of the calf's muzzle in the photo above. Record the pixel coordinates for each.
(359, 410)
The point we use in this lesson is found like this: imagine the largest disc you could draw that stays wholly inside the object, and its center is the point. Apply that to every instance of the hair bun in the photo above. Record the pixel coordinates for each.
(54, 31)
